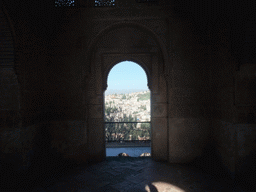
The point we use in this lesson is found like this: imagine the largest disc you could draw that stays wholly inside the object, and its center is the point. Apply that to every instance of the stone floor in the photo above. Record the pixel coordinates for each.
(140, 174)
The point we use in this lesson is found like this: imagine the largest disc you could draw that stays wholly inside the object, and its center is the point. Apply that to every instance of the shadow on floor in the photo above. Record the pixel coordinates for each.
(133, 174)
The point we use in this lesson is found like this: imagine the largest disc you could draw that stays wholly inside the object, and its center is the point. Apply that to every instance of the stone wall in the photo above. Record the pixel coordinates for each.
(15, 148)
(52, 74)
(232, 103)
(188, 93)
(35, 101)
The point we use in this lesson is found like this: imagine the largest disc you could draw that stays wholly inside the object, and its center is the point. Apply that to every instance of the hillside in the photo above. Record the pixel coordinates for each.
(123, 91)
(145, 96)
(136, 104)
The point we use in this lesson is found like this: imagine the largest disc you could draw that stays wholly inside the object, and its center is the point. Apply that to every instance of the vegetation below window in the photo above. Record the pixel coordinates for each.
(145, 96)
(124, 97)
(127, 131)
(143, 107)
(127, 127)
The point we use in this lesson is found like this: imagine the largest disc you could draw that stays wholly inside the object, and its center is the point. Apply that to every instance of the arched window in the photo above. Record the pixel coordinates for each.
(127, 108)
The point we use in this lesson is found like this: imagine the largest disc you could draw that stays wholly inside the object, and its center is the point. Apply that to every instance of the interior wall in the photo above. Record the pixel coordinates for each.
(45, 101)
(66, 110)
(55, 102)
(233, 129)
(12, 137)
(188, 95)
(41, 100)
(245, 102)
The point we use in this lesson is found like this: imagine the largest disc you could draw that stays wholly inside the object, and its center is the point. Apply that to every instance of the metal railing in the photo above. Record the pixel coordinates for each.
(128, 131)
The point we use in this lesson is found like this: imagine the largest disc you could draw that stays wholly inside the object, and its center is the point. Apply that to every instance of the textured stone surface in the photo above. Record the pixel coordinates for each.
(187, 138)
(225, 141)
(53, 68)
(159, 110)
(96, 139)
(95, 111)
(9, 90)
(159, 138)
(69, 138)
(246, 147)
(134, 174)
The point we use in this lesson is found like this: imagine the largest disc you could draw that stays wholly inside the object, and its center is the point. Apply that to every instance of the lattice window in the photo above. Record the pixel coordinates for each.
(147, 1)
(66, 3)
(105, 3)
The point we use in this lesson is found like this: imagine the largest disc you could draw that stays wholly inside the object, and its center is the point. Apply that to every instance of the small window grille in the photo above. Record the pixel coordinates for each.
(105, 3)
(66, 3)
(147, 1)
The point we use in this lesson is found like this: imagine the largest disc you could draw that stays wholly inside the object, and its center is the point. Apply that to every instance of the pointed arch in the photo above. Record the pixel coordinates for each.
(8, 68)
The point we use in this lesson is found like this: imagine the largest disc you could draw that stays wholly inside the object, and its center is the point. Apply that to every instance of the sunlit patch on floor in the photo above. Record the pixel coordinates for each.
(162, 186)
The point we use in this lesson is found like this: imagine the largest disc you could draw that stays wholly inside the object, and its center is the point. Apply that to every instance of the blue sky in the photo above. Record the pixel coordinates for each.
(127, 75)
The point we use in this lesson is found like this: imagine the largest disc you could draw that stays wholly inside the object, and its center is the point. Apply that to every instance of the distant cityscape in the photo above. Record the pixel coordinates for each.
(128, 107)
(123, 91)
(136, 104)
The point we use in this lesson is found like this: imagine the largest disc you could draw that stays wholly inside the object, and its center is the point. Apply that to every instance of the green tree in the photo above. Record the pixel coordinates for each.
(111, 128)
(144, 96)
(143, 107)
(126, 129)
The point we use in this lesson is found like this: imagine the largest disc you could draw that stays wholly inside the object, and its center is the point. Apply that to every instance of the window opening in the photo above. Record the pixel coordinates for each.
(148, 1)
(127, 111)
(65, 3)
(105, 3)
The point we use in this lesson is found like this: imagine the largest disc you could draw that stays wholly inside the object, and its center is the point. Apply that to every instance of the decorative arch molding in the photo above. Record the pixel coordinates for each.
(8, 46)
(102, 58)
(92, 48)
(13, 35)
(10, 90)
